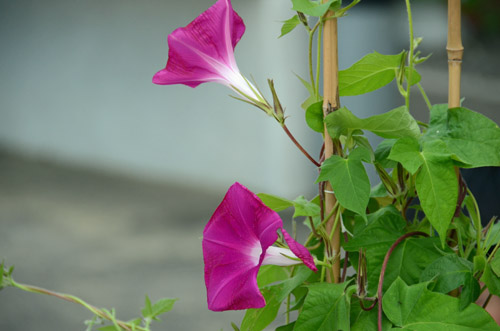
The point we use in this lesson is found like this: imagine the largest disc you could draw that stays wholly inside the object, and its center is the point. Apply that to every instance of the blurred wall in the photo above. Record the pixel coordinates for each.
(76, 88)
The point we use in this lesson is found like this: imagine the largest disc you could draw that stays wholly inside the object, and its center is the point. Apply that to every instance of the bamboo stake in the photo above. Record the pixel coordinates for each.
(331, 103)
(455, 53)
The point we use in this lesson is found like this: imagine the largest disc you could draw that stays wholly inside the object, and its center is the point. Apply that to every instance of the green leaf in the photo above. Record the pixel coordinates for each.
(362, 141)
(162, 306)
(437, 186)
(306, 208)
(491, 280)
(302, 273)
(288, 327)
(361, 154)
(349, 182)
(300, 296)
(409, 258)
(289, 25)
(495, 264)
(135, 322)
(313, 8)
(396, 123)
(327, 307)
(416, 308)
(415, 76)
(493, 236)
(479, 263)
(147, 311)
(314, 117)
(450, 272)
(384, 226)
(382, 152)
(407, 152)
(274, 202)
(472, 137)
(269, 274)
(372, 72)
(437, 123)
(471, 208)
(378, 191)
(258, 319)
(312, 97)
(109, 328)
(362, 320)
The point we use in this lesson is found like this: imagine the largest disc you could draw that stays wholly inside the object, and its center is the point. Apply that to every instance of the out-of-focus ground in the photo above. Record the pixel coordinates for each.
(107, 239)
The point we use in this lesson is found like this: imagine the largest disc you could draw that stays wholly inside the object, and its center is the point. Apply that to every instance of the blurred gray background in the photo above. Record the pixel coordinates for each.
(106, 180)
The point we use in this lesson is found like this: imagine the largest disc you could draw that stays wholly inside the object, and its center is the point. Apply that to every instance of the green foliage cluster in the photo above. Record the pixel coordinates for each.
(410, 240)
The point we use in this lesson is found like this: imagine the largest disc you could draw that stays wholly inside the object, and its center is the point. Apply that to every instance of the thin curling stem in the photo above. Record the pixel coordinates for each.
(410, 54)
(299, 146)
(384, 267)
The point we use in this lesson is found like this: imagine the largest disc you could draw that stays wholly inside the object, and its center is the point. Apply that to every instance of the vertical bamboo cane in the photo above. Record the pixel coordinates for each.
(331, 103)
(455, 53)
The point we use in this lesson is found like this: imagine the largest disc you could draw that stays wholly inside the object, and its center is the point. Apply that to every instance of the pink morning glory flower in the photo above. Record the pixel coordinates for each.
(236, 242)
(203, 51)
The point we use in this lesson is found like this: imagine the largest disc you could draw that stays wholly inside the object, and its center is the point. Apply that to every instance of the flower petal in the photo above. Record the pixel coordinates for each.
(234, 244)
(203, 50)
(300, 251)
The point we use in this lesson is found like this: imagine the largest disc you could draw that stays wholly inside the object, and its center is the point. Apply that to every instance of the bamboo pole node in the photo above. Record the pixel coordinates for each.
(331, 102)
(455, 51)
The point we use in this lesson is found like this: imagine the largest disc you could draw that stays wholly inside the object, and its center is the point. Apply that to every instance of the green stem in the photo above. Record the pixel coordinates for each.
(288, 309)
(310, 57)
(314, 83)
(424, 95)
(337, 219)
(71, 298)
(323, 271)
(299, 146)
(318, 59)
(345, 9)
(322, 263)
(410, 55)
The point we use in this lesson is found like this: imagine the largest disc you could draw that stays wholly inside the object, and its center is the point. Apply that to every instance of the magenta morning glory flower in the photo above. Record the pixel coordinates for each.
(236, 242)
(203, 51)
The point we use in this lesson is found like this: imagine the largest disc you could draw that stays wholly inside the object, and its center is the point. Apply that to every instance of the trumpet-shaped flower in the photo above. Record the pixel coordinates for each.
(203, 51)
(236, 242)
